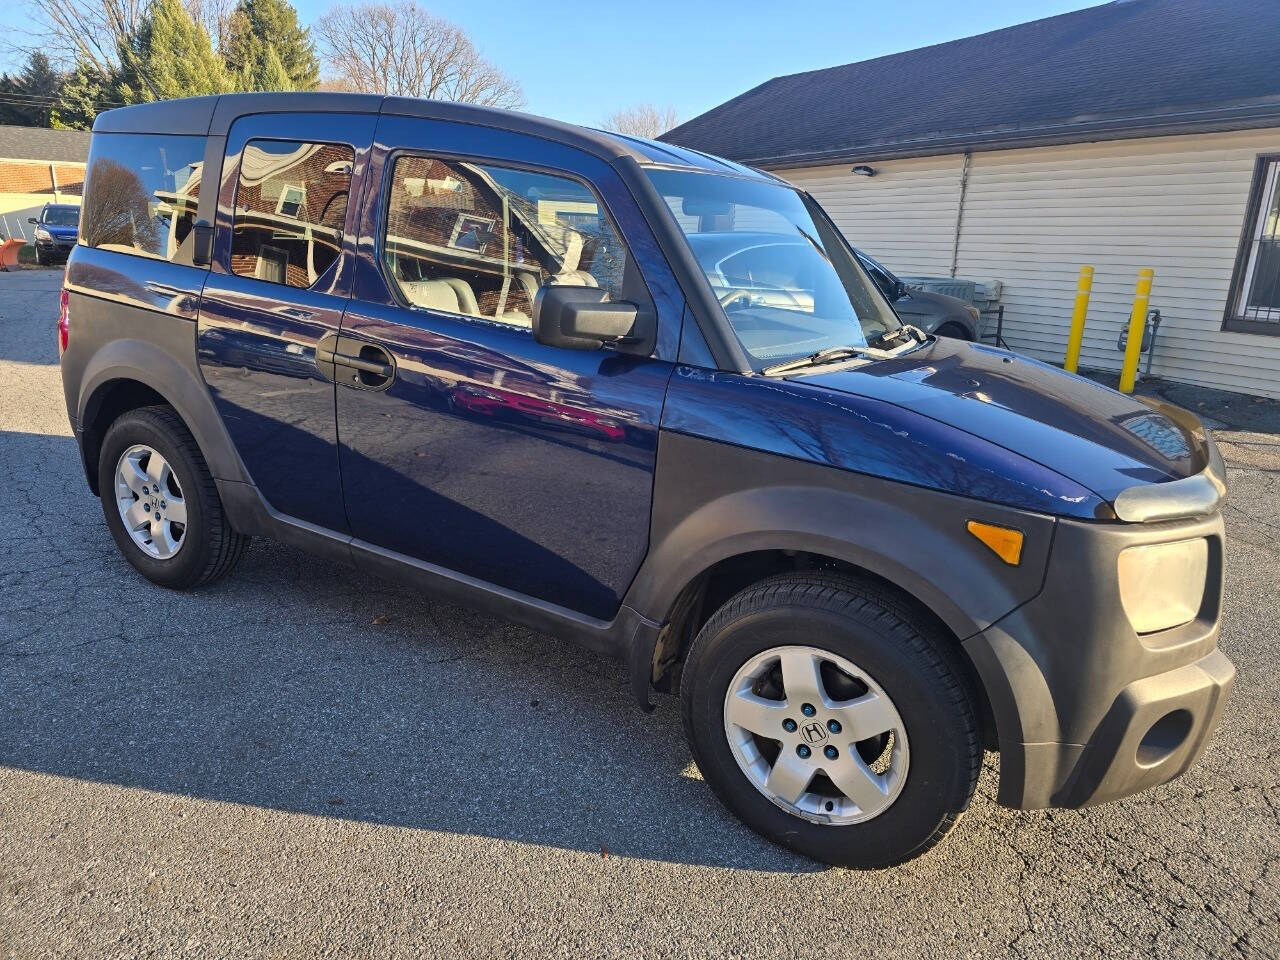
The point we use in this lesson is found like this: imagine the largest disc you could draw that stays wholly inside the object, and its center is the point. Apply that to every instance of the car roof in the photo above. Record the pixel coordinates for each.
(214, 115)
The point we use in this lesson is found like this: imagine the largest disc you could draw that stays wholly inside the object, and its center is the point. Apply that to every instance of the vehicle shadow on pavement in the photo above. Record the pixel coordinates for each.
(17, 344)
(300, 685)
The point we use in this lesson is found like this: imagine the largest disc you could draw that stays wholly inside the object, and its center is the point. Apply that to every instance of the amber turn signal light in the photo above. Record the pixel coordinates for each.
(1004, 542)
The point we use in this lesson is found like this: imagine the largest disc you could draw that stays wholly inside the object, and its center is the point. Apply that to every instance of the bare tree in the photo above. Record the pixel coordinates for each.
(117, 208)
(215, 16)
(642, 120)
(83, 31)
(400, 49)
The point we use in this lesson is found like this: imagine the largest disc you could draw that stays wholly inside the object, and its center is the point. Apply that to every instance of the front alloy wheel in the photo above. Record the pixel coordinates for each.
(816, 735)
(834, 717)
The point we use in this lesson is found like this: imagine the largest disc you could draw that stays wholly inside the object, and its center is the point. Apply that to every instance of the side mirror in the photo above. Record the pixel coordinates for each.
(899, 290)
(33, 220)
(580, 318)
(201, 243)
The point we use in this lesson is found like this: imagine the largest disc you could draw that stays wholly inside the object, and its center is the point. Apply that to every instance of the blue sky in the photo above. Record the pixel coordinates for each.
(580, 61)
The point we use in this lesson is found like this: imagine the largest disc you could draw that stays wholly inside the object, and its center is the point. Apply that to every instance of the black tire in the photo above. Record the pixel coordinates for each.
(917, 668)
(41, 259)
(953, 330)
(210, 548)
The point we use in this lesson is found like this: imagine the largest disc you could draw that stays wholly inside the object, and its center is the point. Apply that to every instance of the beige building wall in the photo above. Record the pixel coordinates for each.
(1032, 216)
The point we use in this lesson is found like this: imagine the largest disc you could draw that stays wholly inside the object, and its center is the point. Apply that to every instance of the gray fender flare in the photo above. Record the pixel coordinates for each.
(915, 539)
(181, 386)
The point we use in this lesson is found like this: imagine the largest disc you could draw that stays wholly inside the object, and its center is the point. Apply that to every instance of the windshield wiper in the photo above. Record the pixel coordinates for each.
(835, 354)
(906, 329)
(822, 356)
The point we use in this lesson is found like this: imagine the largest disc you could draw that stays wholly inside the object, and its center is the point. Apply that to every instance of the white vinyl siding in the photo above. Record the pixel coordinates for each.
(1033, 216)
(905, 216)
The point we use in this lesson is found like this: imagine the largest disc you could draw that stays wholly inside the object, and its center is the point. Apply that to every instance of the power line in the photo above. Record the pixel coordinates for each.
(37, 99)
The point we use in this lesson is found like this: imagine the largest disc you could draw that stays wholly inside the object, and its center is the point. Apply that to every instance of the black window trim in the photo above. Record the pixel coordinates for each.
(346, 226)
(1231, 322)
(452, 156)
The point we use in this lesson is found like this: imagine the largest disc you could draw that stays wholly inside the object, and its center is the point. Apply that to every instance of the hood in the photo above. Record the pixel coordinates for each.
(1104, 440)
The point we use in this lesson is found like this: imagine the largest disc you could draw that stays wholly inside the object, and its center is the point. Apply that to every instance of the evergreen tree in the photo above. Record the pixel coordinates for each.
(262, 68)
(257, 26)
(11, 103)
(83, 95)
(26, 99)
(171, 56)
(271, 74)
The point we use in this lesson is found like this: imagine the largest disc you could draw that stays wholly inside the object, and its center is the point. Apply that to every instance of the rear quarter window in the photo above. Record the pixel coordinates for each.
(141, 193)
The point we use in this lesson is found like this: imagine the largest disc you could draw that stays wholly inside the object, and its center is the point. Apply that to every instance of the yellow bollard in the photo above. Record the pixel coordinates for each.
(1077, 319)
(1137, 327)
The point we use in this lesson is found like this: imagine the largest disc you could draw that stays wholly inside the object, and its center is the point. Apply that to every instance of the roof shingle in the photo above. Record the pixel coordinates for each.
(1126, 68)
(41, 143)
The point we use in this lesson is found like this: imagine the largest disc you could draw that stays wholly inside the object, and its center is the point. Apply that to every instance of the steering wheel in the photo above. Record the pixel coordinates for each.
(734, 295)
(738, 293)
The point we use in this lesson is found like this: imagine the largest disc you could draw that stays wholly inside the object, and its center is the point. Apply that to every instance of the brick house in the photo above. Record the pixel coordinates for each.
(38, 166)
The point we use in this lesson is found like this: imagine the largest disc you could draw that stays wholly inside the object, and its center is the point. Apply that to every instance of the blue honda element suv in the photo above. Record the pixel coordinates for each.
(648, 401)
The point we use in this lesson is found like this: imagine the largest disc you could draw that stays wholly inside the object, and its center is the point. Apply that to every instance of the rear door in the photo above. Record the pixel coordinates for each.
(281, 276)
(473, 447)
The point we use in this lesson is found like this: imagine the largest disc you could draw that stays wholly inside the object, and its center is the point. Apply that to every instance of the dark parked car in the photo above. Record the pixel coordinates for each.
(646, 400)
(55, 232)
(931, 312)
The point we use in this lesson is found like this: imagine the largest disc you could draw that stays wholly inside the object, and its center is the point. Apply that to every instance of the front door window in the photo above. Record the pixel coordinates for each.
(480, 240)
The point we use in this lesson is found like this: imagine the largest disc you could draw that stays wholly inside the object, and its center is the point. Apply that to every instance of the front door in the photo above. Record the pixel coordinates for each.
(279, 282)
(482, 451)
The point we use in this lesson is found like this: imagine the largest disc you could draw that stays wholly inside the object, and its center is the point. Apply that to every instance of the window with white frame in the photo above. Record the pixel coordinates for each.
(292, 197)
(1255, 294)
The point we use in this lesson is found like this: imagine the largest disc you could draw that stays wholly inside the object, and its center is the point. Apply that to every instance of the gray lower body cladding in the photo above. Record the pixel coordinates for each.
(1085, 709)
(1088, 710)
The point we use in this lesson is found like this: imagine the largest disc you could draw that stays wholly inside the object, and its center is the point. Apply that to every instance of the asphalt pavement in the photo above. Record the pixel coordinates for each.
(302, 761)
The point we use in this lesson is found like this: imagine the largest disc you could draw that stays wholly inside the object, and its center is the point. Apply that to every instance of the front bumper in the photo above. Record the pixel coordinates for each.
(1086, 709)
(55, 247)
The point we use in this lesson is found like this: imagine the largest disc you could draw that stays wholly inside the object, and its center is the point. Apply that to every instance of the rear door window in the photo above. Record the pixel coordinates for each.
(290, 209)
(141, 193)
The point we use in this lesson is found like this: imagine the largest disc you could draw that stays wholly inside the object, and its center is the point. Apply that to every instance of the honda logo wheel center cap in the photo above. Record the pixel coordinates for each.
(813, 732)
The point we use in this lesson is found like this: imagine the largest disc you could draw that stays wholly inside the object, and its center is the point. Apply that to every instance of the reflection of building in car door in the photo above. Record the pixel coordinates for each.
(276, 294)
(462, 464)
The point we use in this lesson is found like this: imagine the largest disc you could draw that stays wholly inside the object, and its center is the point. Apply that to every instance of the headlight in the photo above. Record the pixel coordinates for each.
(1162, 584)
(974, 312)
(43, 234)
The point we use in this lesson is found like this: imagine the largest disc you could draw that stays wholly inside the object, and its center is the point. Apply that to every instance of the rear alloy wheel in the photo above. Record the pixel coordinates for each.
(150, 501)
(161, 503)
(832, 717)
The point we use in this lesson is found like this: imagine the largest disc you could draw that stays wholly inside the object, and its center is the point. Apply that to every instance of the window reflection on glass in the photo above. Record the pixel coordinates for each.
(141, 193)
(291, 205)
(480, 240)
(789, 284)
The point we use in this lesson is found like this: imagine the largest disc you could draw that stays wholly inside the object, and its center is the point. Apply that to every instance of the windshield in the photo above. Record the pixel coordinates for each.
(788, 282)
(62, 216)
